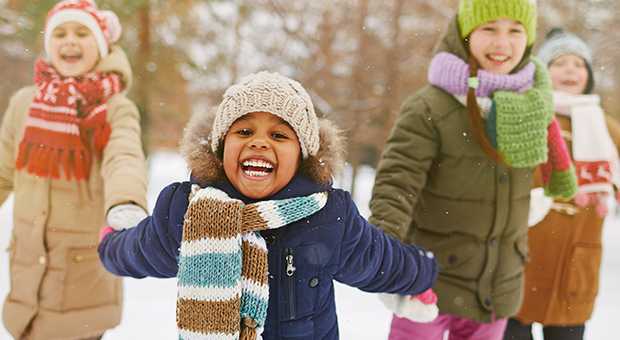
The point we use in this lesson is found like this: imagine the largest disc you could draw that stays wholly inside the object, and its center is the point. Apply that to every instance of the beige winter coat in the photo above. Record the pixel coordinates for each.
(59, 289)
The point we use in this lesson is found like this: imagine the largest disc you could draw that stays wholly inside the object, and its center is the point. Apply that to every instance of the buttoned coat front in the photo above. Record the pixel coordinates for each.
(58, 287)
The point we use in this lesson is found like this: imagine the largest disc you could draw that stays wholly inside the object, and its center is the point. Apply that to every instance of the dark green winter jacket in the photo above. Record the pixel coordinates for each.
(434, 187)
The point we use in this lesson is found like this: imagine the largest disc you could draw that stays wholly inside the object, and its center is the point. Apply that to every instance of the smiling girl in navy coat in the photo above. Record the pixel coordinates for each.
(257, 235)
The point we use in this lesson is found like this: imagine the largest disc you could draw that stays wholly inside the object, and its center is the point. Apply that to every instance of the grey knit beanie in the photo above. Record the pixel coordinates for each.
(273, 93)
(559, 42)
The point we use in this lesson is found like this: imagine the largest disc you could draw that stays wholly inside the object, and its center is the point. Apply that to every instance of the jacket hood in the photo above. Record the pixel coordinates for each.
(451, 42)
(117, 62)
(207, 167)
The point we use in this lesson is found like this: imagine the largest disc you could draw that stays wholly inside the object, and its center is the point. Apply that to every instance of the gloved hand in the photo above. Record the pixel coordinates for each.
(104, 232)
(124, 216)
(420, 308)
(540, 204)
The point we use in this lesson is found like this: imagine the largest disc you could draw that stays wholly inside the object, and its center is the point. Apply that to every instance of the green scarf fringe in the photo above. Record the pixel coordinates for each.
(562, 184)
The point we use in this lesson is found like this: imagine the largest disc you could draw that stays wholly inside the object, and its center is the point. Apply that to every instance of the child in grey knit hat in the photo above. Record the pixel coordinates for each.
(258, 234)
(563, 302)
(560, 42)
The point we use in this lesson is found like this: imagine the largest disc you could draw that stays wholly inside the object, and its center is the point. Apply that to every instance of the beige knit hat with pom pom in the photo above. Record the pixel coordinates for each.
(273, 93)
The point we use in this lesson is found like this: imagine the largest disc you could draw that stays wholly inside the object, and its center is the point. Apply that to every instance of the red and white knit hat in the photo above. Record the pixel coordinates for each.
(104, 25)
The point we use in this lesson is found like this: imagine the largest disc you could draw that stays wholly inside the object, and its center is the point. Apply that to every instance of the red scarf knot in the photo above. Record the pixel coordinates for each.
(64, 115)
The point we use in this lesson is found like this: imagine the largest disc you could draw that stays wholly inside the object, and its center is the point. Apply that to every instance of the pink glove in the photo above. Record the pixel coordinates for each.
(104, 232)
(427, 297)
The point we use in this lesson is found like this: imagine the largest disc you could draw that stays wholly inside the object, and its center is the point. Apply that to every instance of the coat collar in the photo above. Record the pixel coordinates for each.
(300, 185)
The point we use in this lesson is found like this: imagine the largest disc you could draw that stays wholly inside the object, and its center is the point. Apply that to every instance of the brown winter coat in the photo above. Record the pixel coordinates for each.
(434, 187)
(59, 289)
(561, 281)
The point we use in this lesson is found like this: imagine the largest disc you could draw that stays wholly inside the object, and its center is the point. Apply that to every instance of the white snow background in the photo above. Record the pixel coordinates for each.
(149, 310)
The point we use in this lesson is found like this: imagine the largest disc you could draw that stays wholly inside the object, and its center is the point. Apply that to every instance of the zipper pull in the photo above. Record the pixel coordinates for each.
(290, 269)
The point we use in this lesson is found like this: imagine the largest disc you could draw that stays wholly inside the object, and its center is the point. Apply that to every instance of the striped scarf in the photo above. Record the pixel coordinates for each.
(223, 289)
(62, 115)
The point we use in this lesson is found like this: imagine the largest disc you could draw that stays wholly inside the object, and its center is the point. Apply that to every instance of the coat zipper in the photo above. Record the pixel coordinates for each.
(291, 287)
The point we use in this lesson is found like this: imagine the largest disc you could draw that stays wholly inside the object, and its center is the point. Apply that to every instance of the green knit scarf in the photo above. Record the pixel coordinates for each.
(522, 121)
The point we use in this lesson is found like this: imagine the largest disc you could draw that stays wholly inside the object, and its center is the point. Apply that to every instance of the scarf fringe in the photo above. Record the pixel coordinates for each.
(248, 330)
(558, 173)
(101, 136)
(43, 161)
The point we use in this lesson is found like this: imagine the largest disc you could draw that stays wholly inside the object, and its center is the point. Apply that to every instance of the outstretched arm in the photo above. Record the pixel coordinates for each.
(375, 262)
(152, 247)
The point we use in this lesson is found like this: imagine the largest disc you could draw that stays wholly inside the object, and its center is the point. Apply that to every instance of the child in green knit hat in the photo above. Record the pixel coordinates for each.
(456, 172)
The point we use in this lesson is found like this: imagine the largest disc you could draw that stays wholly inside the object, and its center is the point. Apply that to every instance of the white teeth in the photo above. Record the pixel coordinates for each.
(498, 58)
(258, 163)
(256, 173)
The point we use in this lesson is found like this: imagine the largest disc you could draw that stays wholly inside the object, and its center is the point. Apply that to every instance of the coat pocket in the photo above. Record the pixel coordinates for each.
(464, 259)
(581, 273)
(301, 281)
(88, 284)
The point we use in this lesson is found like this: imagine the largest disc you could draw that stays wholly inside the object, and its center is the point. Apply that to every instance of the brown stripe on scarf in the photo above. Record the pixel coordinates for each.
(191, 315)
(224, 220)
(251, 253)
(252, 221)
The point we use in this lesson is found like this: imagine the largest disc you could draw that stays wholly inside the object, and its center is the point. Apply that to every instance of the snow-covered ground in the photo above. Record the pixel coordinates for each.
(149, 311)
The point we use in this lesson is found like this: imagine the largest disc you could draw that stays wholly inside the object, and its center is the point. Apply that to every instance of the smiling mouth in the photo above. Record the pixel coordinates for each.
(498, 58)
(257, 167)
(71, 57)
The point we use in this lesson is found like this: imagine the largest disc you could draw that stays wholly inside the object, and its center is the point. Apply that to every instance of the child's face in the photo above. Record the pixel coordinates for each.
(569, 74)
(499, 45)
(73, 50)
(261, 154)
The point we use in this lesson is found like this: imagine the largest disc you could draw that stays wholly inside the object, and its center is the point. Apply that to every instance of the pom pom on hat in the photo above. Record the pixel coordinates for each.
(473, 13)
(113, 25)
(273, 93)
(104, 25)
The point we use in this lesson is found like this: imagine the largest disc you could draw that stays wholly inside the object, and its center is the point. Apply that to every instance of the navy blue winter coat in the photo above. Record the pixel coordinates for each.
(335, 243)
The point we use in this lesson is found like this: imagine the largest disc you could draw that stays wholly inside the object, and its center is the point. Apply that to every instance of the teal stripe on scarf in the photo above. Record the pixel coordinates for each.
(253, 306)
(291, 209)
(219, 270)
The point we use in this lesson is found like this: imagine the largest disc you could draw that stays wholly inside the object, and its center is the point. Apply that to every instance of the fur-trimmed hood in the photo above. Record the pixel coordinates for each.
(206, 166)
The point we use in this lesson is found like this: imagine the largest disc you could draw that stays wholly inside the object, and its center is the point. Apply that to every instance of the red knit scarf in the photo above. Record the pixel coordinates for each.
(64, 113)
